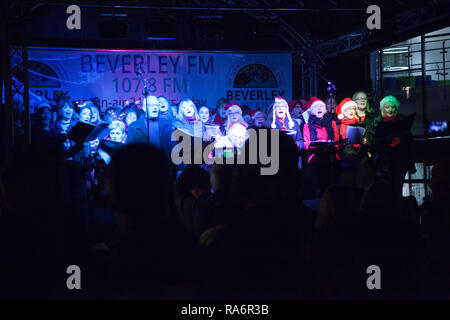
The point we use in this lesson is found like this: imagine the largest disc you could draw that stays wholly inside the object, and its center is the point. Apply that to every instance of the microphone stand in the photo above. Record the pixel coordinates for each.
(332, 92)
(145, 93)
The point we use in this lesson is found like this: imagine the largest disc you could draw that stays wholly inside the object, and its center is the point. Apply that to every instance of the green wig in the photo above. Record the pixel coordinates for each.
(392, 100)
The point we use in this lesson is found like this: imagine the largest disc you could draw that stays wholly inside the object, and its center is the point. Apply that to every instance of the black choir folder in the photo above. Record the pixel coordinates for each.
(110, 146)
(86, 132)
(399, 127)
(107, 148)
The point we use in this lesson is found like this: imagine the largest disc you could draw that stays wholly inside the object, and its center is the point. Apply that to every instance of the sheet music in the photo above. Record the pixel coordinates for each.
(355, 135)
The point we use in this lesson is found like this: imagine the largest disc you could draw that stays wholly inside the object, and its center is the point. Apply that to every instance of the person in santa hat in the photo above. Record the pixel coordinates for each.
(319, 128)
(282, 120)
(319, 125)
(234, 115)
(346, 114)
(356, 168)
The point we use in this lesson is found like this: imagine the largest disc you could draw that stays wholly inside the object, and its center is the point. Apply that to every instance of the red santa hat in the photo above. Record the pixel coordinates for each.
(255, 113)
(234, 106)
(312, 102)
(344, 105)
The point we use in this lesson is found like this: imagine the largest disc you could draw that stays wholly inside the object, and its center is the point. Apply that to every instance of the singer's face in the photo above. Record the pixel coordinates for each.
(188, 110)
(85, 115)
(222, 112)
(94, 115)
(389, 109)
(280, 111)
(361, 100)
(116, 135)
(297, 110)
(67, 111)
(318, 110)
(164, 105)
(259, 120)
(46, 116)
(350, 112)
(235, 116)
(153, 110)
(204, 114)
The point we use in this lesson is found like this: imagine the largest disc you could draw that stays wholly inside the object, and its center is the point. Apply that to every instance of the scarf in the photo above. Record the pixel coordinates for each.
(386, 118)
(240, 122)
(326, 121)
(346, 121)
(344, 124)
(189, 119)
(283, 127)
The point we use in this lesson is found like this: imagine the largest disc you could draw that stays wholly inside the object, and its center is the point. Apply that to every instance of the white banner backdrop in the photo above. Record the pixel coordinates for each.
(252, 79)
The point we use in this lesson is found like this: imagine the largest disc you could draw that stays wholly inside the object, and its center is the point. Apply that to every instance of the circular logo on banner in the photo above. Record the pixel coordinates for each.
(254, 72)
(255, 76)
(43, 75)
(255, 81)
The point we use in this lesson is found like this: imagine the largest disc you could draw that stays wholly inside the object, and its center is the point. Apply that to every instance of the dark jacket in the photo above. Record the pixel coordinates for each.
(294, 132)
(138, 133)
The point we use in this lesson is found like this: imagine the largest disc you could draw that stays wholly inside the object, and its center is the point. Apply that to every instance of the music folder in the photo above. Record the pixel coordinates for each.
(107, 148)
(355, 134)
(389, 128)
(81, 131)
(100, 132)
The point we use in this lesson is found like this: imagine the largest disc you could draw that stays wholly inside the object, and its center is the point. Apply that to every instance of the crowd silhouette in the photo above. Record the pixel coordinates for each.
(141, 227)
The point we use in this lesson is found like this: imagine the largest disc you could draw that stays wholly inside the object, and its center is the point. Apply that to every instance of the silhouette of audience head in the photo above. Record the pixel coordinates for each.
(337, 202)
(250, 186)
(137, 182)
(196, 180)
(221, 177)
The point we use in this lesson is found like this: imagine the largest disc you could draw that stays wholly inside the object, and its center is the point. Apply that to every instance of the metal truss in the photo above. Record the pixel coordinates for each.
(287, 33)
(342, 44)
(412, 19)
(420, 17)
(20, 89)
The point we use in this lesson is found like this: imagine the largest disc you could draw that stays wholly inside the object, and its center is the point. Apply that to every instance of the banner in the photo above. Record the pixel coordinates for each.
(252, 79)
